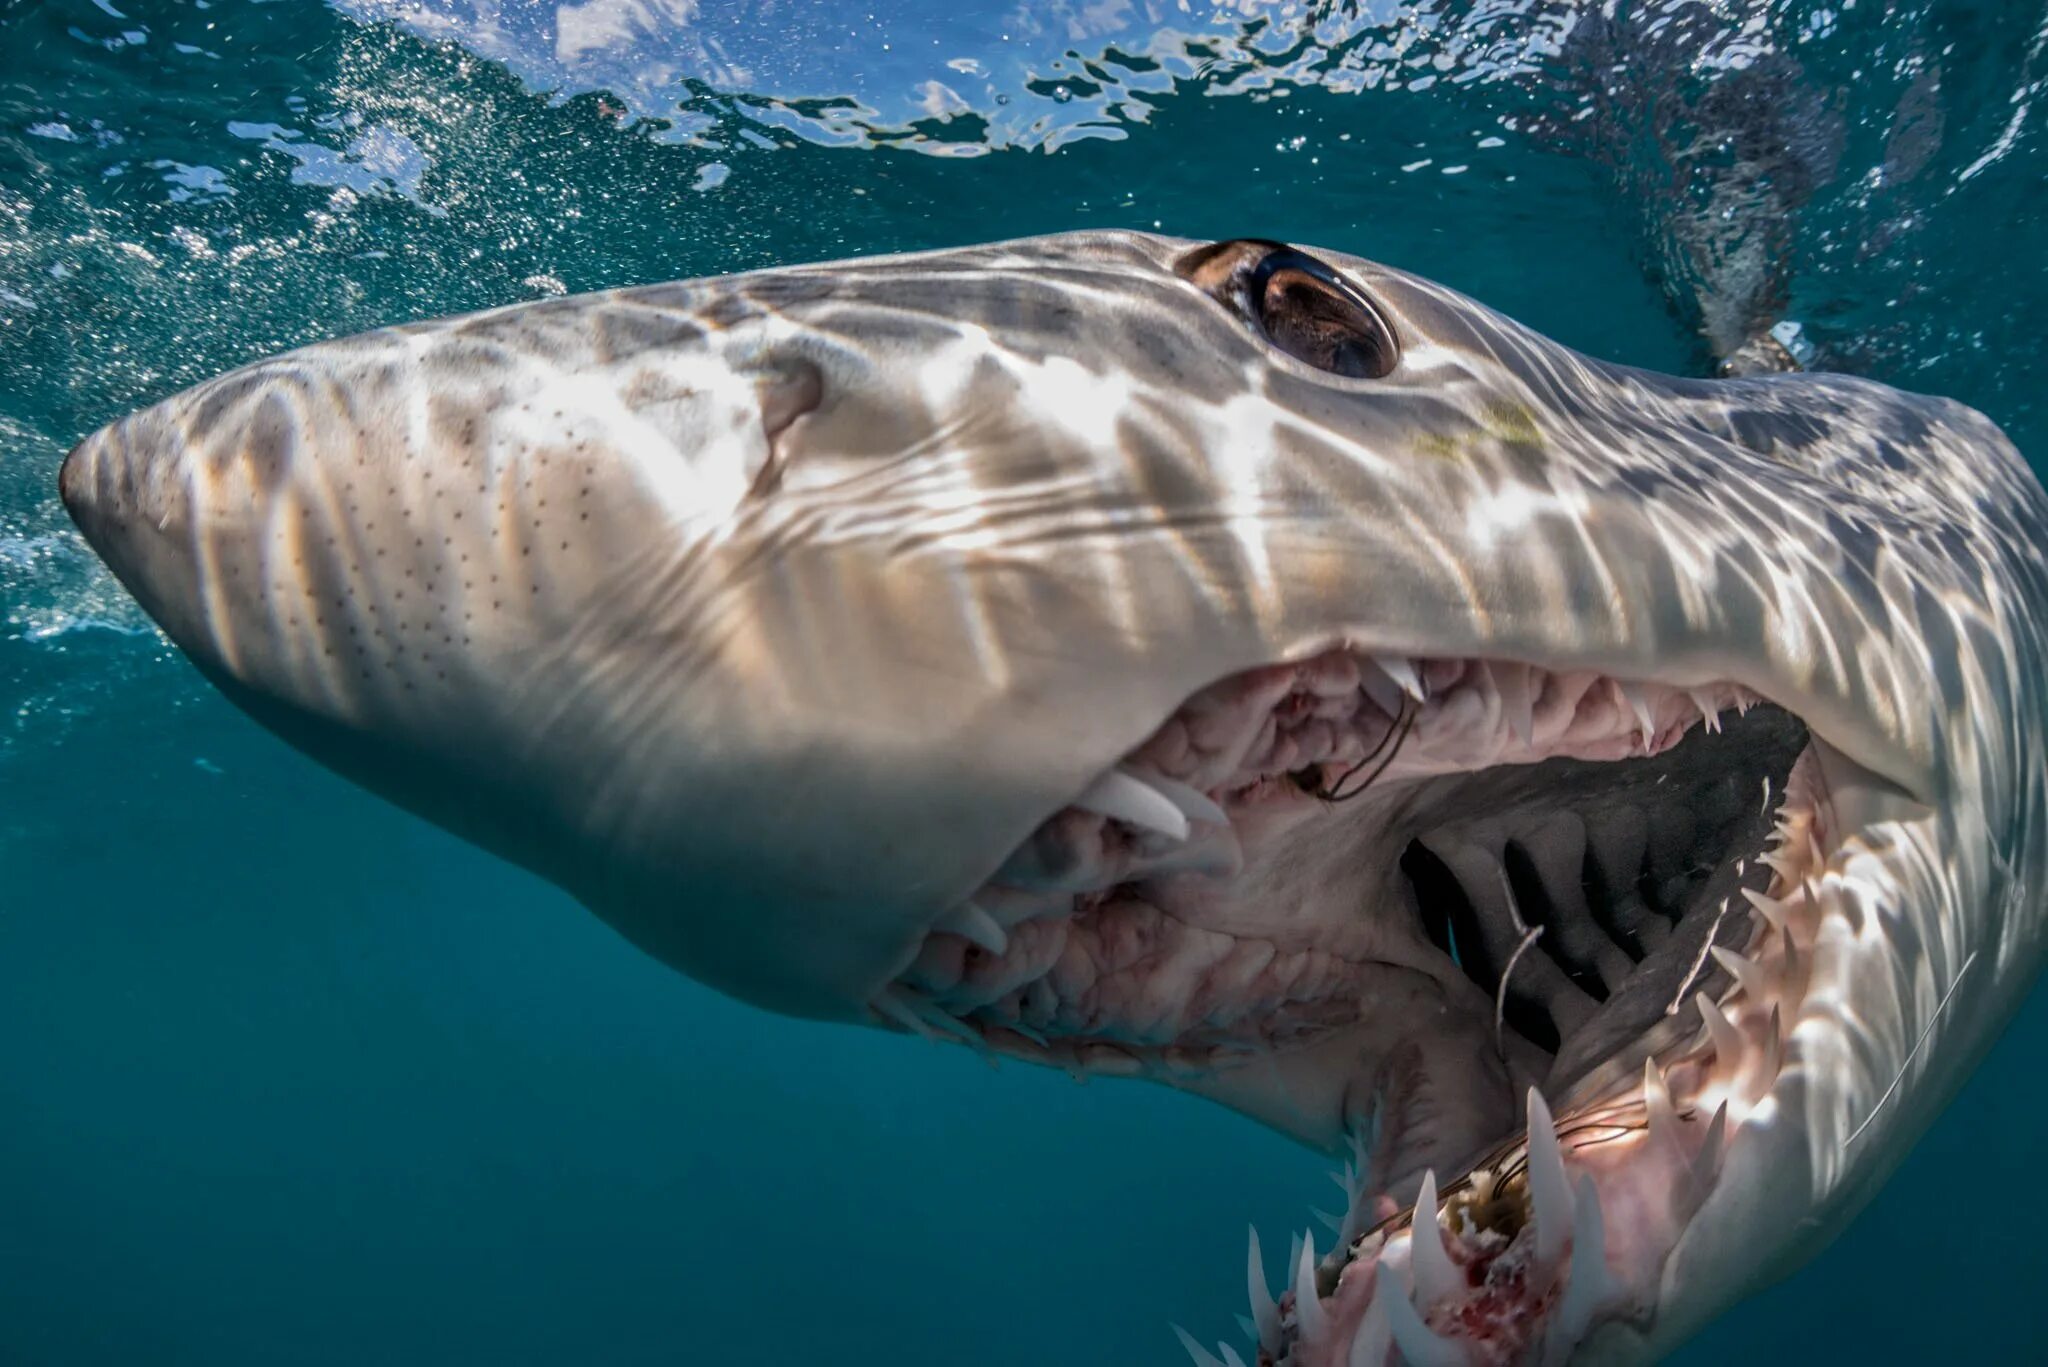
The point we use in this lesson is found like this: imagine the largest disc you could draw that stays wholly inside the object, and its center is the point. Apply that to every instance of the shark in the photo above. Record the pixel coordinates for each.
(1606, 808)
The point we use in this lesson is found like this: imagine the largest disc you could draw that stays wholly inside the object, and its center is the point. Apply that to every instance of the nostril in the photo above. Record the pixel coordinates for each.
(788, 392)
(792, 388)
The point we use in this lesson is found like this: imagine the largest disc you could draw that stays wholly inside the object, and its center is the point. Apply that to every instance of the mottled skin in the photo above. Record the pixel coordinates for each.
(768, 614)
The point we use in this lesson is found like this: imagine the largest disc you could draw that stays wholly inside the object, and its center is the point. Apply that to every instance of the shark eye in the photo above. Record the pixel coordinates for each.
(1319, 318)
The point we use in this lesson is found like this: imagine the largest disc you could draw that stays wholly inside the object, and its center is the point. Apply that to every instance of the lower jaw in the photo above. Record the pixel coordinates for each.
(1543, 1234)
(1563, 1228)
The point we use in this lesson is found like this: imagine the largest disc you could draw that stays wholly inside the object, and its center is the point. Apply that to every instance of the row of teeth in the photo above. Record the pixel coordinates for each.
(1562, 1214)
(1166, 807)
(1564, 1218)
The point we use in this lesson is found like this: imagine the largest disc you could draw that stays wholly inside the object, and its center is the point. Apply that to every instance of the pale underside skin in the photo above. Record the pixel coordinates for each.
(1081, 599)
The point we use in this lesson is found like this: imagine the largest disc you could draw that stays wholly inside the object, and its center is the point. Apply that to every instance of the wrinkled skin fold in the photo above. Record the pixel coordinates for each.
(1607, 806)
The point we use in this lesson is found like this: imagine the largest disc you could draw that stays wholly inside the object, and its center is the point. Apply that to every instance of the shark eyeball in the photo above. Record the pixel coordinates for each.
(1316, 316)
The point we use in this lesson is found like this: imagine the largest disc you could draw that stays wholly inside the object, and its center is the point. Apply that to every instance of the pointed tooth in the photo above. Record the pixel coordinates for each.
(1707, 1162)
(1770, 908)
(1420, 1345)
(1194, 804)
(1710, 715)
(1202, 1356)
(1230, 1357)
(1727, 1040)
(1436, 1276)
(893, 1007)
(1773, 1060)
(938, 1019)
(1517, 700)
(1247, 1328)
(1402, 671)
(1035, 1036)
(1663, 1116)
(1639, 703)
(970, 922)
(1369, 1346)
(1265, 1314)
(1590, 1282)
(1309, 1316)
(1747, 972)
(1550, 1192)
(1328, 1221)
(1131, 799)
(1382, 690)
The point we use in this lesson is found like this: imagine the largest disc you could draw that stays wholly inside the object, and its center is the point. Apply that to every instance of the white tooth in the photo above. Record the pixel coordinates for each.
(1247, 1328)
(1663, 1117)
(935, 1016)
(1194, 804)
(1748, 974)
(1770, 908)
(1328, 1221)
(1265, 1314)
(1550, 1192)
(1309, 1316)
(1765, 810)
(972, 923)
(888, 1004)
(1202, 1356)
(1382, 690)
(1420, 1345)
(1517, 700)
(1020, 1028)
(1402, 671)
(1520, 714)
(1230, 1357)
(1704, 701)
(1436, 1276)
(1726, 1038)
(1773, 1059)
(1131, 799)
(1639, 703)
(1591, 1284)
(1374, 1337)
(1707, 1162)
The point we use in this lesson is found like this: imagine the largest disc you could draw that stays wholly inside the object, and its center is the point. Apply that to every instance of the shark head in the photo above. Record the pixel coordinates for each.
(1609, 806)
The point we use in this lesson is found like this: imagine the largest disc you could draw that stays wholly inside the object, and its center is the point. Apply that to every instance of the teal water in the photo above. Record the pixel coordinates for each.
(288, 1078)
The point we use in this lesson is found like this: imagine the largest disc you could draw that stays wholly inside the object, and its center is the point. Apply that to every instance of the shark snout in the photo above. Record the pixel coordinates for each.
(128, 489)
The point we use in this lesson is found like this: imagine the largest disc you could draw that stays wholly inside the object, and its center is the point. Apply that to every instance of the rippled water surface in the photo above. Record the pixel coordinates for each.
(286, 1077)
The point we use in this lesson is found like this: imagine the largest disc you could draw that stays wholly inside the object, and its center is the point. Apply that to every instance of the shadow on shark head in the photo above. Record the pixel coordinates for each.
(1609, 804)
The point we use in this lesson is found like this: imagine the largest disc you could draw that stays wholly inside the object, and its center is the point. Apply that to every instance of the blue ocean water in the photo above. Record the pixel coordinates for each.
(287, 1077)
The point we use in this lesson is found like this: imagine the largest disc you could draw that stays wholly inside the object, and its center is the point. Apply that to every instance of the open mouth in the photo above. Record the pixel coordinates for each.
(1461, 887)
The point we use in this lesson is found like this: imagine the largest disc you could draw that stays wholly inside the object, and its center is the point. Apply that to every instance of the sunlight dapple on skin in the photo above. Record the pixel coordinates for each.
(1579, 794)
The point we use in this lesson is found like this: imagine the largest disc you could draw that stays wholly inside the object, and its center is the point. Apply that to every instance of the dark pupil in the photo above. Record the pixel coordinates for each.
(1317, 321)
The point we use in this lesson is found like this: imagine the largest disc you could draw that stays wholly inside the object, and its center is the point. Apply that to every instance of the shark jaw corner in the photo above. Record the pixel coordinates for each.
(1605, 806)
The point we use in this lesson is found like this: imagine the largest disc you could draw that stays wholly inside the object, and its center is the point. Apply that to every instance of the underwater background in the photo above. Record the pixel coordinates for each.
(288, 1077)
